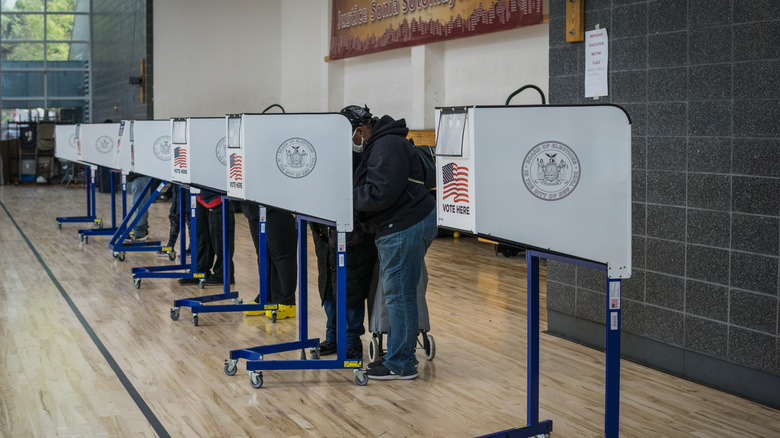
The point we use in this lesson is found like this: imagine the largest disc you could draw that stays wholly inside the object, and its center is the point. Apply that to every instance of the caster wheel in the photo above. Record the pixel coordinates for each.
(175, 313)
(230, 367)
(303, 354)
(81, 237)
(137, 283)
(121, 257)
(273, 316)
(59, 225)
(172, 255)
(115, 254)
(373, 349)
(195, 320)
(430, 347)
(86, 240)
(202, 283)
(361, 378)
(315, 353)
(256, 379)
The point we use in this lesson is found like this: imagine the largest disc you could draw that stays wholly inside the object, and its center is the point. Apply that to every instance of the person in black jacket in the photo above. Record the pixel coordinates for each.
(360, 262)
(208, 238)
(392, 204)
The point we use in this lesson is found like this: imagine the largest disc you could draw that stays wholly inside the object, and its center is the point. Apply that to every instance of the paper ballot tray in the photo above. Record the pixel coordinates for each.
(555, 178)
(199, 152)
(297, 162)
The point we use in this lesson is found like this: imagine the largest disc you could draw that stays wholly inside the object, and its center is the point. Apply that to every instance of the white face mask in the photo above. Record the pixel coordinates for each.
(357, 147)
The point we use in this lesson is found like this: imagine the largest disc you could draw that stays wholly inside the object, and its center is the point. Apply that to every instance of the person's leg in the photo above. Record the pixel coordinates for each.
(173, 217)
(282, 244)
(141, 228)
(400, 258)
(215, 233)
(329, 305)
(250, 210)
(205, 256)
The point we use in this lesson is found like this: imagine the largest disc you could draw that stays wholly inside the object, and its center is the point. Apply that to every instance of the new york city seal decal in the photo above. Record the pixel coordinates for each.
(162, 148)
(221, 151)
(104, 144)
(296, 157)
(551, 170)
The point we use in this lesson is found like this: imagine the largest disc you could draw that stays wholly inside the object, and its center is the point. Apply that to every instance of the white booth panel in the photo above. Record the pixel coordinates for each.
(299, 162)
(206, 145)
(151, 153)
(98, 141)
(556, 178)
(122, 156)
(65, 142)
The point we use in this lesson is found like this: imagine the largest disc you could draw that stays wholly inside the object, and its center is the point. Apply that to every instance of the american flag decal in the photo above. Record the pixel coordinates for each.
(455, 181)
(235, 167)
(180, 157)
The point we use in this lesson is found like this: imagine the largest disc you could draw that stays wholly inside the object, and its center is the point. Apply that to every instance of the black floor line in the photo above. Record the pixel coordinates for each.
(139, 401)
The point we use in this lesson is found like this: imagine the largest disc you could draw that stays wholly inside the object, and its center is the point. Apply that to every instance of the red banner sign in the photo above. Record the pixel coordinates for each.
(367, 26)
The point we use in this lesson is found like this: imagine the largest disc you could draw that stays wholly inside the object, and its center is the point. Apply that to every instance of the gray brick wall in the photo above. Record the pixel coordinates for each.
(121, 35)
(701, 82)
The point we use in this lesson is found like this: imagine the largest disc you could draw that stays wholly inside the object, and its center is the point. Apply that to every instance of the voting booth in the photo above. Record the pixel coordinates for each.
(300, 163)
(66, 147)
(555, 180)
(149, 155)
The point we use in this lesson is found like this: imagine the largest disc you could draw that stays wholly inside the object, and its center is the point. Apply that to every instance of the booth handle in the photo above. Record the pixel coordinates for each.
(541, 93)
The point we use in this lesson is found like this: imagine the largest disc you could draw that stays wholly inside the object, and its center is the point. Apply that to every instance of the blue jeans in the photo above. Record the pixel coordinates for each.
(136, 187)
(400, 263)
(355, 317)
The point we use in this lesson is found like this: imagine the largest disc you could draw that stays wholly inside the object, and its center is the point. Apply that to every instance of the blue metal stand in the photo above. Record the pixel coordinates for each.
(90, 190)
(117, 243)
(189, 270)
(254, 355)
(100, 231)
(533, 426)
(196, 304)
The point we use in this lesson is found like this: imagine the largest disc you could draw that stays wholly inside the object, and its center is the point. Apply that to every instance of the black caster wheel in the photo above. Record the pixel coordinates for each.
(86, 240)
(256, 379)
(273, 316)
(230, 367)
(121, 257)
(315, 353)
(430, 347)
(175, 313)
(59, 225)
(303, 355)
(81, 237)
(361, 378)
(202, 283)
(195, 320)
(172, 255)
(137, 283)
(373, 349)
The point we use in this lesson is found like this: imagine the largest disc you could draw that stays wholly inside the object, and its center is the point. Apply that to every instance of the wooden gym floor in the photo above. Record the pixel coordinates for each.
(84, 353)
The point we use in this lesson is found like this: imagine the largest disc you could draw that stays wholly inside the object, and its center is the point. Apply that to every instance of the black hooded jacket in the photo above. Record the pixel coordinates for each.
(385, 199)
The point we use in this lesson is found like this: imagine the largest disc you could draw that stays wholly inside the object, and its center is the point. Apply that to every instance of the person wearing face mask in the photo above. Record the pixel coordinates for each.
(397, 209)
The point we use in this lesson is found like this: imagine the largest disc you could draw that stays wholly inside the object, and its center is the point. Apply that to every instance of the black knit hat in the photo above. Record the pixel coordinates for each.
(357, 116)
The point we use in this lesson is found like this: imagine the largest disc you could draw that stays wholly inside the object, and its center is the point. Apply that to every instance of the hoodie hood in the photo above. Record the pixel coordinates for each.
(387, 126)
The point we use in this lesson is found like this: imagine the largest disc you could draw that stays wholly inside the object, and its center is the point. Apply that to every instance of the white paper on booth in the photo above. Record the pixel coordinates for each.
(596, 62)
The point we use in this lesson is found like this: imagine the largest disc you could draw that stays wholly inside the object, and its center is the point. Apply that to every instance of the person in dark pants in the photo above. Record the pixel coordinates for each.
(360, 261)
(208, 239)
(281, 259)
(174, 218)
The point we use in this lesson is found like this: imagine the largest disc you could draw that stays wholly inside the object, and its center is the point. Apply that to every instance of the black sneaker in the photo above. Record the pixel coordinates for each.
(327, 348)
(189, 280)
(382, 373)
(355, 352)
(376, 363)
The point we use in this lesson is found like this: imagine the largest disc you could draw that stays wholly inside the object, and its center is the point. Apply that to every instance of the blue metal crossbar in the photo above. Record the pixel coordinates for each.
(533, 426)
(254, 355)
(118, 242)
(196, 304)
(90, 191)
(186, 270)
(85, 233)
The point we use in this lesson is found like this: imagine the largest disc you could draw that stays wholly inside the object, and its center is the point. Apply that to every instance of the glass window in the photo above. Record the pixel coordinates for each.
(59, 27)
(22, 84)
(21, 52)
(23, 103)
(67, 5)
(21, 5)
(65, 83)
(67, 52)
(22, 27)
